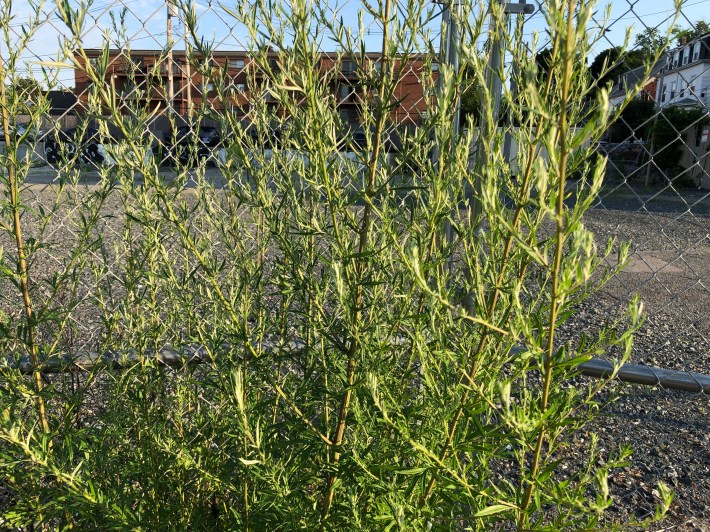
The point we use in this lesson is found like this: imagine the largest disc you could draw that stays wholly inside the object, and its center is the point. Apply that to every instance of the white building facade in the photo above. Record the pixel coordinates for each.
(685, 82)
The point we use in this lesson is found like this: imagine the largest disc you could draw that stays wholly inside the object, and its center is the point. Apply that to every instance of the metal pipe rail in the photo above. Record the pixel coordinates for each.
(195, 354)
(648, 375)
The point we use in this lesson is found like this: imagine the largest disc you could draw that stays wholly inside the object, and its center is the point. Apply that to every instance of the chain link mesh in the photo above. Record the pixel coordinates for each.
(656, 191)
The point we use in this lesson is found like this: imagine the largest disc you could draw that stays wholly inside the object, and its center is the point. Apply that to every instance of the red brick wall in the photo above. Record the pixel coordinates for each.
(410, 91)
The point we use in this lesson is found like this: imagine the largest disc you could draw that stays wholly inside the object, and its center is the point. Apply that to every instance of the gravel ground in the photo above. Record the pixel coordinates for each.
(669, 269)
(670, 236)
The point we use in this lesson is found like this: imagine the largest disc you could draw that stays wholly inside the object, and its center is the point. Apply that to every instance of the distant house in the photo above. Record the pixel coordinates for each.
(685, 78)
(685, 82)
(631, 78)
(143, 77)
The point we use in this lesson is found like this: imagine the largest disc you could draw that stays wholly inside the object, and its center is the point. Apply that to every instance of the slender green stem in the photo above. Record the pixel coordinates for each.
(568, 58)
(22, 269)
(360, 263)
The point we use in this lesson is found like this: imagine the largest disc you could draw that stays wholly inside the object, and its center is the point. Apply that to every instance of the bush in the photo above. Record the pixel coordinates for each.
(360, 369)
(635, 121)
(668, 134)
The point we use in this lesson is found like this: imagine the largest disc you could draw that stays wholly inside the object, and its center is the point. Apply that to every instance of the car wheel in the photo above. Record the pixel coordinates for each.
(50, 155)
(93, 155)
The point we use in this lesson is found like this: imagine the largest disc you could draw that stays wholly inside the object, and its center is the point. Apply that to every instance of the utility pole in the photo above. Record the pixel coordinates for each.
(495, 61)
(449, 55)
(449, 52)
(172, 12)
(513, 83)
(188, 70)
(659, 97)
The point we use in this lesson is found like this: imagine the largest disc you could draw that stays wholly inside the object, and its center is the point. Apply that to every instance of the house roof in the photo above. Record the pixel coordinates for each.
(693, 40)
(134, 52)
(631, 77)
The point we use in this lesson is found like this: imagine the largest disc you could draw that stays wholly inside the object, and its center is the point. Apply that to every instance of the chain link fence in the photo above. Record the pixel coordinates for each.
(656, 192)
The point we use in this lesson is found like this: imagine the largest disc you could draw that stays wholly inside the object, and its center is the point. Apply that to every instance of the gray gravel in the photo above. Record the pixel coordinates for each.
(669, 268)
(670, 236)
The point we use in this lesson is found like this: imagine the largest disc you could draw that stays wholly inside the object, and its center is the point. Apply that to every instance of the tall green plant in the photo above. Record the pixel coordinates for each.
(358, 369)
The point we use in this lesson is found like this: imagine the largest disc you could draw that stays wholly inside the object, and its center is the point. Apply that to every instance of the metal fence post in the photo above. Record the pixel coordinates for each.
(527, 9)
(448, 54)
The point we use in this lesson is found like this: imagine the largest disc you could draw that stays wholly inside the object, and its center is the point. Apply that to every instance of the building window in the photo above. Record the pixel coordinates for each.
(348, 67)
(347, 115)
(236, 63)
(675, 59)
(377, 66)
(696, 51)
(686, 55)
(435, 67)
(698, 134)
(663, 93)
(240, 87)
(205, 88)
(345, 92)
(682, 93)
(673, 85)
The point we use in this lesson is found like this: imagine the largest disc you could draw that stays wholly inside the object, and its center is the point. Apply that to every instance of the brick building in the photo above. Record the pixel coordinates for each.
(142, 77)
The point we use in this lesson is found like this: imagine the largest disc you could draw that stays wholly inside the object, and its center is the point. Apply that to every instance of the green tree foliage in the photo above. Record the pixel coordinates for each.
(25, 93)
(613, 62)
(670, 131)
(650, 40)
(542, 62)
(471, 98)
(635, 121)
(684, 35)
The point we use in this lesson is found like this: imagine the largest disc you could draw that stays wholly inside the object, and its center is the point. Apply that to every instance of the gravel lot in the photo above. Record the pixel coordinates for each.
(670, 271)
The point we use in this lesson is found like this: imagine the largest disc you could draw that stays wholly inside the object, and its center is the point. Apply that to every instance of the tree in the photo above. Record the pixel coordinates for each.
(650, 40)
(668, 134)
(471, 99)
(29, 88)
(611, 63)
(684, 35)
(542, 61)
(635, 121)
(27, 92)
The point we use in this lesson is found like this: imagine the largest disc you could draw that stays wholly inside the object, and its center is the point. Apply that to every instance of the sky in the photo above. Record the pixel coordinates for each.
(145, 22)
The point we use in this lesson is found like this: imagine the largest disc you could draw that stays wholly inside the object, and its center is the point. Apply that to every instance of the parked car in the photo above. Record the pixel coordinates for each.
(188, 146)
(82, 143)
(30, 133)
(626, 151)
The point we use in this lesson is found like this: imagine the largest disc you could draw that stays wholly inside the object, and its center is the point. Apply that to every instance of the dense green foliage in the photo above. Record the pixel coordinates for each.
(613, 62)
(670, 131)
(635, 121)
(379, 333)
(696, 29)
